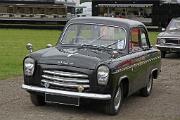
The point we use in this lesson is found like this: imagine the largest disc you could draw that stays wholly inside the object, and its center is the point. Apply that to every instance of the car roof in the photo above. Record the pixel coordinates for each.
(107, 21)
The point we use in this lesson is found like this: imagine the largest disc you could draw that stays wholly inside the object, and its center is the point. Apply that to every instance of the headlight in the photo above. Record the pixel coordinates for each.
(103, 75)
(161, 41)
(29, 65)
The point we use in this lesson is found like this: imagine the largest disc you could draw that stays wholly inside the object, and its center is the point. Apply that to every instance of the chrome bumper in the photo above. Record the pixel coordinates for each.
(165, 46)
(67, 93)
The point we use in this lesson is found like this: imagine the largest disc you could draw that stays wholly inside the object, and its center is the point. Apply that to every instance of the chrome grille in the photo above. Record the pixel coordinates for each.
(66, 74)
(173, 41)
(63, 79)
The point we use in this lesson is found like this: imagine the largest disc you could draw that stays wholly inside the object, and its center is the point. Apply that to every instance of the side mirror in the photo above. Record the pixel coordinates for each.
(145, 48)
(29, 47)
(163, 29)
(48, 45)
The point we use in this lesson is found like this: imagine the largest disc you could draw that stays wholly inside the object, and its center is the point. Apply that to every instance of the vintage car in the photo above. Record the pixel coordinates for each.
(169, 40)
(96, 58)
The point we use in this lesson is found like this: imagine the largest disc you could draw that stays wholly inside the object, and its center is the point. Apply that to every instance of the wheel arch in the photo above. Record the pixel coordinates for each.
(154, 73)
(125, 82)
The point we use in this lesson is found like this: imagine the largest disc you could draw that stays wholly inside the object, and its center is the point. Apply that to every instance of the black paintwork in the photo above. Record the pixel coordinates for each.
(133, 66)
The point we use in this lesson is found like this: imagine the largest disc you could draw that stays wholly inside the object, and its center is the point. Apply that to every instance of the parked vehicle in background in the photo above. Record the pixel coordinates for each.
(96, 58)
(169, 40)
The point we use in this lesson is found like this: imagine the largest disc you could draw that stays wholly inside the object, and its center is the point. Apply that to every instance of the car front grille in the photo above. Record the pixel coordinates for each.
(173, 41)
(65, 80)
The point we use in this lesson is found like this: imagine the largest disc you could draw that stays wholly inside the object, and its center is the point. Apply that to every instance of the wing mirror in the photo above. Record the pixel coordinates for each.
(48, 45)
(114, 54)
(163, 29)
(29, 47)
(145, 48)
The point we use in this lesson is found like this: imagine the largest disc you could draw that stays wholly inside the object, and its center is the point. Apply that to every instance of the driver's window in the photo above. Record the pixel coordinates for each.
(134, 43)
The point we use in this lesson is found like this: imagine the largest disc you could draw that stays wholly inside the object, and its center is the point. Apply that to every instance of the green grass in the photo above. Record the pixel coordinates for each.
(153, 37)
(13, 50)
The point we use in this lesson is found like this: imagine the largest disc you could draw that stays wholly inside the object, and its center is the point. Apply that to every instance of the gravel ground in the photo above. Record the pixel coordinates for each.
(163, 104)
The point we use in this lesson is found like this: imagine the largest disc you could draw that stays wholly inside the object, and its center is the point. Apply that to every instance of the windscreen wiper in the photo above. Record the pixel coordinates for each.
(97, 38)
(88, 46)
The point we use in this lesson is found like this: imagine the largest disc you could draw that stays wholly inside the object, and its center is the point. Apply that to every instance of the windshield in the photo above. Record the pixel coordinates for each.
(96, 35)
(174, 25)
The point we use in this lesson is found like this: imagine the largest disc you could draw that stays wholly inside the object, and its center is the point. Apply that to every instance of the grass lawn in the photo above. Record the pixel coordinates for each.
(13, 50)
(153, 37)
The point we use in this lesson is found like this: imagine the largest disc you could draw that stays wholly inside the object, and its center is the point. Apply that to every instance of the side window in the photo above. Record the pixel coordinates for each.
(135, 44)
(144, 39)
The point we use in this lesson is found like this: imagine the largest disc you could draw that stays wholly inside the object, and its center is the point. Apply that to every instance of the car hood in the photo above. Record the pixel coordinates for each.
(170, 34)
(82, 58)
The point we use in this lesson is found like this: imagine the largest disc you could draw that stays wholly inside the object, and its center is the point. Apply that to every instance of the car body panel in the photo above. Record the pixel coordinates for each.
(63, 59)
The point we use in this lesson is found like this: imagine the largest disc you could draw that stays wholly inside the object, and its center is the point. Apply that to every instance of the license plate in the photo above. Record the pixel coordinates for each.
(66, 100)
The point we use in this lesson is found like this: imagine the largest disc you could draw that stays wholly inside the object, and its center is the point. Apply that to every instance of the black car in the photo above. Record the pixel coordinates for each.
(169, 41)
(96, 58)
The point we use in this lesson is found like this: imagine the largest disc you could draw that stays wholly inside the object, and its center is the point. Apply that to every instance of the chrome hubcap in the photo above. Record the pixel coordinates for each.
(117, 99)
(149, 86)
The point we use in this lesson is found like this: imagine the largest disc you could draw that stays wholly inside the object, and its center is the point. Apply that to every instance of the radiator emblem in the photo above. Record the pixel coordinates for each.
(46, 85)
(80, 88)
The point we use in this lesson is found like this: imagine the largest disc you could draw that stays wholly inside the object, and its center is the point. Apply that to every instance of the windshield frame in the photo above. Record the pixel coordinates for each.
(115, 26)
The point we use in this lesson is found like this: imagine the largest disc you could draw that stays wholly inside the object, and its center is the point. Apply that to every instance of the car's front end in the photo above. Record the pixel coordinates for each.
(62, 81)
(169, 41)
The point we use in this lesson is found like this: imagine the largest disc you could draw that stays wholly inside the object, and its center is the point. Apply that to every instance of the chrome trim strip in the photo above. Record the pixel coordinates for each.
(135, 65)
(64, 84)
(165, 46)
(169, 37)
(65, 74)
(67, 93)
(74, 80)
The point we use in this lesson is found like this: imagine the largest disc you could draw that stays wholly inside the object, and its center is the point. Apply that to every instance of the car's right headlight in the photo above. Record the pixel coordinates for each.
(103, 75)
(29, 65)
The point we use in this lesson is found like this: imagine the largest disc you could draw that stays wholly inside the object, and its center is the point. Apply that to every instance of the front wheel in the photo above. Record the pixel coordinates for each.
(113, 106)
(146, 91)
(37, 100)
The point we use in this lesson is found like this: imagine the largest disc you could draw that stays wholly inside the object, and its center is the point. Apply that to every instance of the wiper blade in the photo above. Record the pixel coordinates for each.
(114, 43)
(97, 38)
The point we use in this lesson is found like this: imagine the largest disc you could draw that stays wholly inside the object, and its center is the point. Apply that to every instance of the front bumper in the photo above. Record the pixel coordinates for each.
(67, 93)
(170, 48)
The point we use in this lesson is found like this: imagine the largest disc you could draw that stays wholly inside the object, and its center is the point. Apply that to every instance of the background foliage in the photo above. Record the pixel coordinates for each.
(13, 50)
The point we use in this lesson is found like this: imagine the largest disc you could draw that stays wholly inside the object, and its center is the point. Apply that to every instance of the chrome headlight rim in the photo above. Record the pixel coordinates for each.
(29, 66)
(103, 74)
(161, 40)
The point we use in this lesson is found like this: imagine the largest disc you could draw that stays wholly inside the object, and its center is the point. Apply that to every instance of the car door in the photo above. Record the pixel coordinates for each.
(138, 56)
(145, 45)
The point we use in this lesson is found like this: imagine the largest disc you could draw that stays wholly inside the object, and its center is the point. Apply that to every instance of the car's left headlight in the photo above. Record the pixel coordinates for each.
(161, 41)
(103, 75)
(29, 65)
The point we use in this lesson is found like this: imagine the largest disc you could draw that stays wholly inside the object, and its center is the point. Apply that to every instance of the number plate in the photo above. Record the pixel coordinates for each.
(66, 100)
